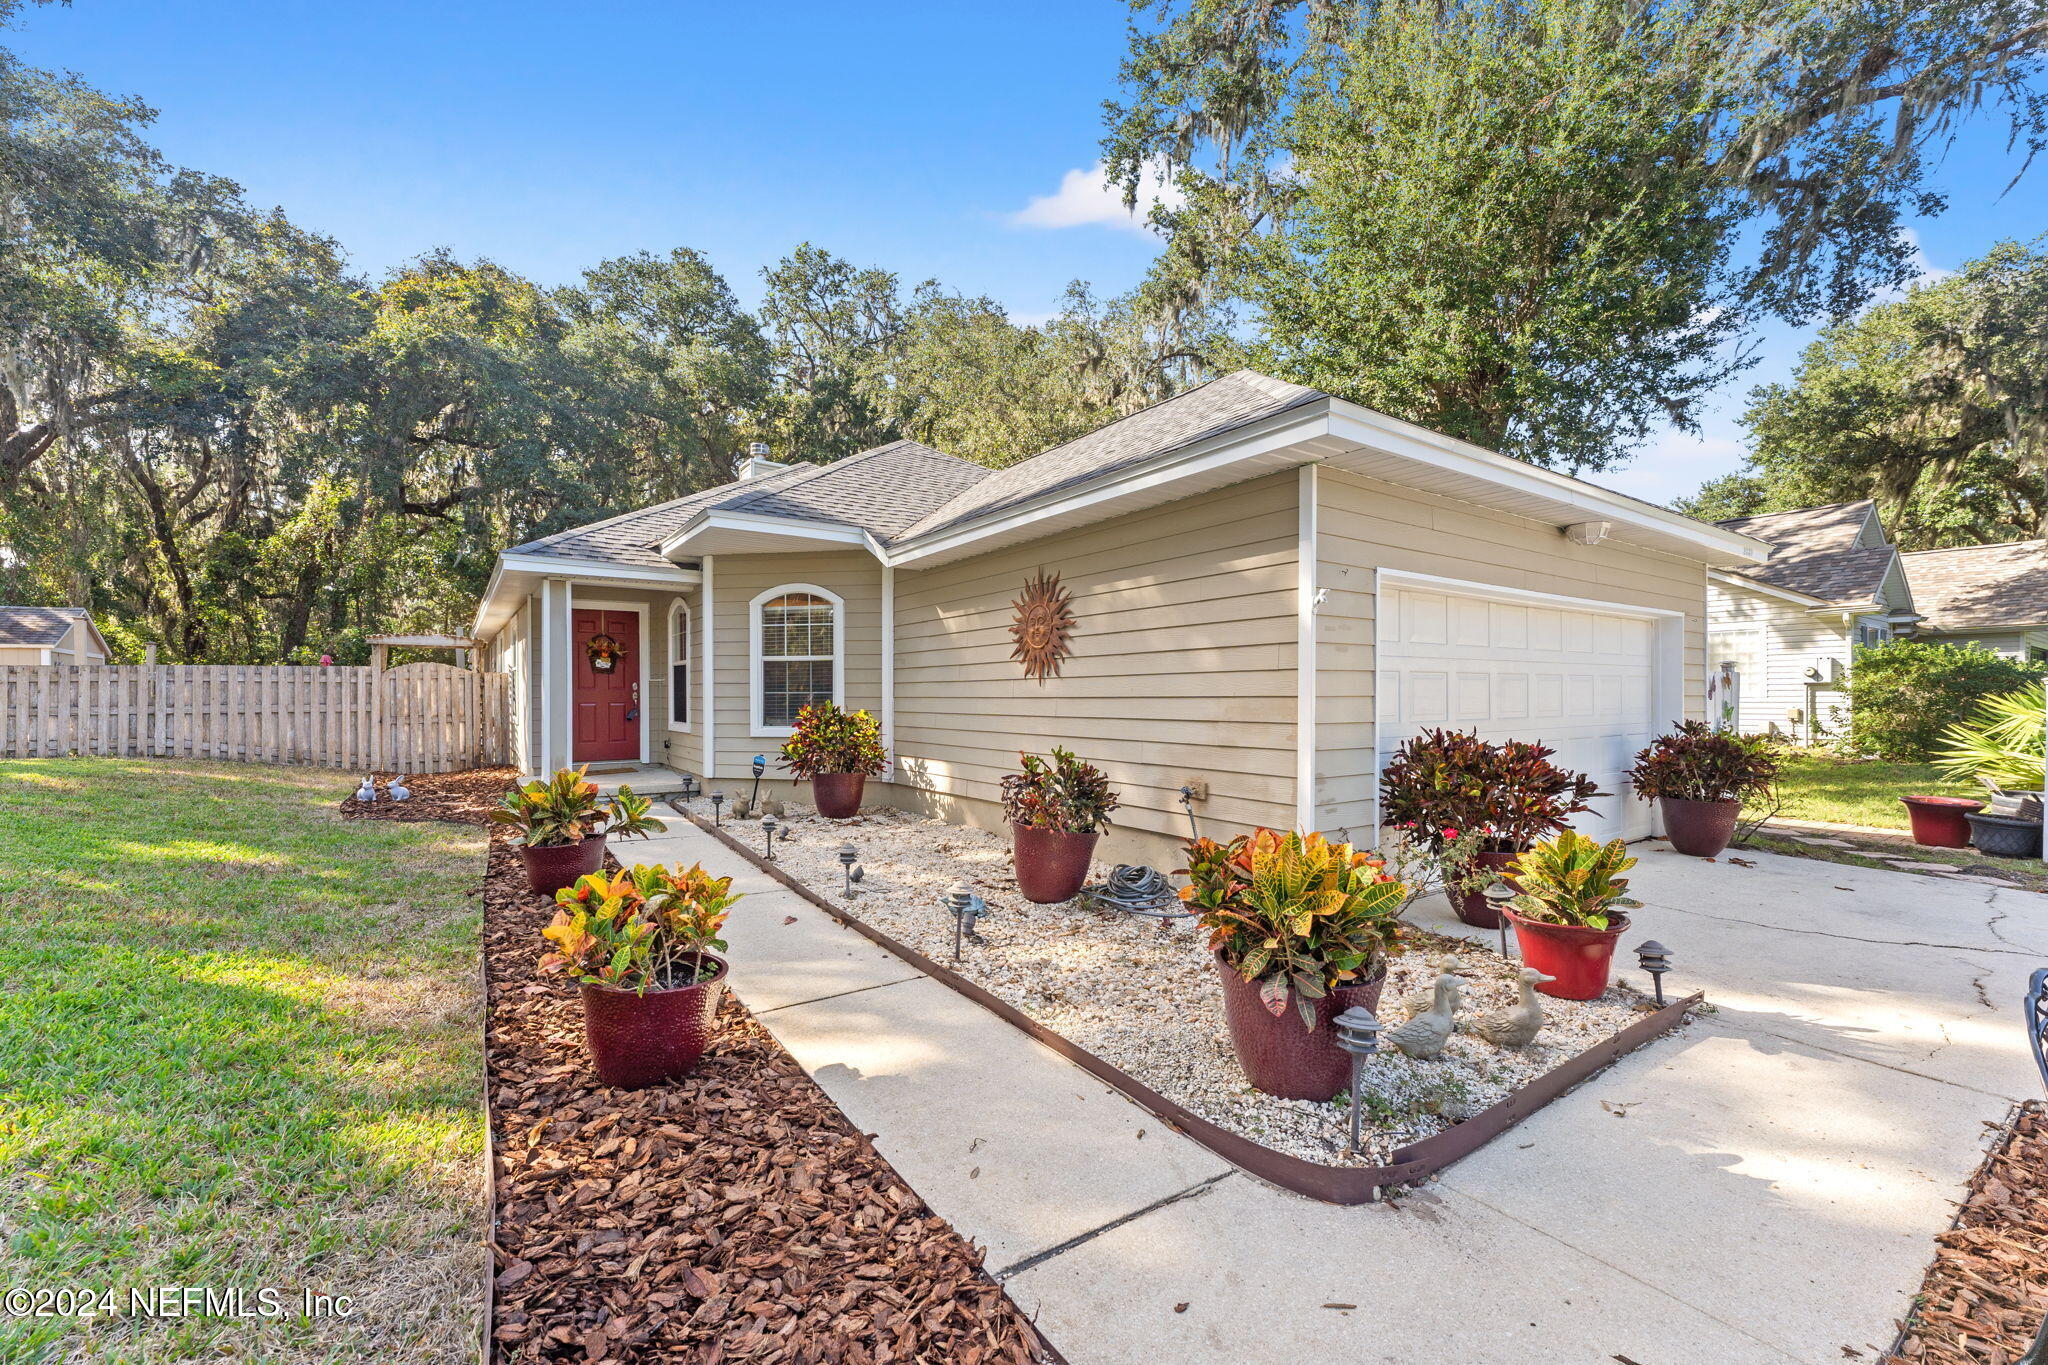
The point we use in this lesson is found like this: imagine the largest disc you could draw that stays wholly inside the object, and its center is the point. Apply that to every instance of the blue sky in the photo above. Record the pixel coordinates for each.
(915, 136)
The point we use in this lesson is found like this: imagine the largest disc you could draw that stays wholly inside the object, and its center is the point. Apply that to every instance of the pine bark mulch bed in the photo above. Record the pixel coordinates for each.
(466, 798)
(734, 1216)
(1985, 1295)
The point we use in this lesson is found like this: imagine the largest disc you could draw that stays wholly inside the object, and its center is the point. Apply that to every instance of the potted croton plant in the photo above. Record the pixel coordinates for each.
(1301, 930)
(1699, 777)
(838, 750)
(563, 823)
(1057, 812)
(644, 946)
(1568, 911)
(1442, 786)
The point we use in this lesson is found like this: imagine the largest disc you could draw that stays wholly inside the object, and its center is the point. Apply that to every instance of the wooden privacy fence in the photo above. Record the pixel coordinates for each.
(416, 718)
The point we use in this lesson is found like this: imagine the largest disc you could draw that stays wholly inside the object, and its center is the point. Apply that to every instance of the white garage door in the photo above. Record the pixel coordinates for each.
(1581, 681)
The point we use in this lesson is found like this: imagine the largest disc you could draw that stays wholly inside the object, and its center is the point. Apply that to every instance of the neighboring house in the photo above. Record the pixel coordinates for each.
(49, 635)
(1271, 588)
(1833, 584)
(1992, 595)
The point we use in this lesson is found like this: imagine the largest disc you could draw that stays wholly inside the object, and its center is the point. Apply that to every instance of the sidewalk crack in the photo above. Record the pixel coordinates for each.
(1039, 1258)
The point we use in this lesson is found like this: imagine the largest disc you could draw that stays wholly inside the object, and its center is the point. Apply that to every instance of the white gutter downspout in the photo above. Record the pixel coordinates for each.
(889, 668)
(710, 612)
(1306, 816)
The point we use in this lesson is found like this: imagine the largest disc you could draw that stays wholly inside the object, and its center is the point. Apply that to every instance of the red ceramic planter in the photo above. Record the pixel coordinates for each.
(548, 870)
(642, 1040)
(1473, 907)
(1279, 1055)
(1941, 821)
(1699, 829)
(1052, 864)
(1581, 960)
(837, 795)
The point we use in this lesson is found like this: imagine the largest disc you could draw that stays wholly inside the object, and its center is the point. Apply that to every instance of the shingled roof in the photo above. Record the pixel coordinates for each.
(1974, 587)
(1817, 551)
(37, 627)
(1224, 404)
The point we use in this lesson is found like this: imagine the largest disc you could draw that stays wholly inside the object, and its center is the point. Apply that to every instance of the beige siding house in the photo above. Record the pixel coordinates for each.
(50, 635)
(1272, 587)
(1791, 626)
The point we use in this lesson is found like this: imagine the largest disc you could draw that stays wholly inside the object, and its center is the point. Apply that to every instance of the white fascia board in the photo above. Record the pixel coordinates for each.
(791, 527)
(1376, 430)
(515, 574)
(1283, 429)
(1747, 584)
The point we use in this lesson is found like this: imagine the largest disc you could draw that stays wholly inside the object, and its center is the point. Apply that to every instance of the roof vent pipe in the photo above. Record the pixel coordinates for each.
(757, 462)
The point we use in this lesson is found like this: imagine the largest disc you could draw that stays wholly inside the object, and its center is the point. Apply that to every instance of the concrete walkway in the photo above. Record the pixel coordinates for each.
(1763, 1186)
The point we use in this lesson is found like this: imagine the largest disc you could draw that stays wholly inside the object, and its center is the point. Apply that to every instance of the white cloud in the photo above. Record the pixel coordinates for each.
(1925, 271)
(1085, 198)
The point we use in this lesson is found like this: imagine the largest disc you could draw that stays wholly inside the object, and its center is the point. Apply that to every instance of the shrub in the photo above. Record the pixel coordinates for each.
(1442, 784)
(1904, 693)
(829, 739)
(1572, 880)
(566, 809)
(639, 929)
(1065, 794)
(2002, 742)
(1294, 913)
(1696, 762)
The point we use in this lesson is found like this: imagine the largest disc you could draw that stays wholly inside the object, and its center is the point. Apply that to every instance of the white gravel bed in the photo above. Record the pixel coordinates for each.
(1146, 999)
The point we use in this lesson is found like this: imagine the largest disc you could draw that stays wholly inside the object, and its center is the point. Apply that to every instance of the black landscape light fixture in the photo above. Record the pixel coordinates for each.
(692, 788)
(717, 805)
(1498, 895)
(848, 856)
(1358, 1033)
(1654, 958)
(768, 836)
(760, 766)
(966, 908)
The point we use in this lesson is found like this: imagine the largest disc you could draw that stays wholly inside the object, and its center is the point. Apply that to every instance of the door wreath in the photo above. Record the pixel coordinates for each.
(604, 652)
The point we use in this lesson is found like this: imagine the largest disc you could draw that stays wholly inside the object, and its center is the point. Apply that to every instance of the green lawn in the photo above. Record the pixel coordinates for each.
(239, 1049)
(1815, 786)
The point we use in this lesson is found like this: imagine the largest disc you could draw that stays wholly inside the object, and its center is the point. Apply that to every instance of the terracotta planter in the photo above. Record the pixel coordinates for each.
(1473, 907)
(548, 870)
(1699, 829)
(1052, 864)
(2005, 836)
(1940, 821)
(642, 1040)
(837, 795)
(1279, 1055)
(1581, 960)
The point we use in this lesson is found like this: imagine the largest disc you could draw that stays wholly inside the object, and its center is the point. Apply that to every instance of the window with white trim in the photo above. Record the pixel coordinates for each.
(1871, 633)
(796, 638)
(679, 665)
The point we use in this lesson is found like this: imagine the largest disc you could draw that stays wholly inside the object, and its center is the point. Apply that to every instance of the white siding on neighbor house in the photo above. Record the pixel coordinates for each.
(2013, 644)
(1183, 665)
(1792, 640)
(1365, 525)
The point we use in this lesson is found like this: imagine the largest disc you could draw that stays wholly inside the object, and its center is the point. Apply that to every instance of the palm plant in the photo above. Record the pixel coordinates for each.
(2002, 742)
(1572, 880)
(1294, 913)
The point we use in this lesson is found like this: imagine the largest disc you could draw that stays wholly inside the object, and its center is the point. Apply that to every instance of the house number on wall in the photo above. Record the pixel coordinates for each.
(1042, 626)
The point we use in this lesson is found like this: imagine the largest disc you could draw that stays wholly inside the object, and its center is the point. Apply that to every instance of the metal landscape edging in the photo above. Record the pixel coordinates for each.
(1330, 1184)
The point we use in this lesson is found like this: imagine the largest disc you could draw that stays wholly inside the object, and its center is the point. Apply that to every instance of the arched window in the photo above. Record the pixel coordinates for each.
(679, 666)
(798, 647)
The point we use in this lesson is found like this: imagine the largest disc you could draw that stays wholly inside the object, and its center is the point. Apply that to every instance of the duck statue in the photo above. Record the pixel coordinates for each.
(1518, 1025)
(1424, 1036)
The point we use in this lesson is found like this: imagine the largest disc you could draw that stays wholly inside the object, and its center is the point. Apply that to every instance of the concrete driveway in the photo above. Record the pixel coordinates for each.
(1762, 1186)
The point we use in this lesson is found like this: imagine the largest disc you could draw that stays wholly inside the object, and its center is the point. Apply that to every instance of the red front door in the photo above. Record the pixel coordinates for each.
(607, 645)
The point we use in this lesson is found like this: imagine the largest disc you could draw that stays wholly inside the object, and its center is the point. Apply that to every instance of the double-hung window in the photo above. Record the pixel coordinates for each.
(797, 654)
(679, 665)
